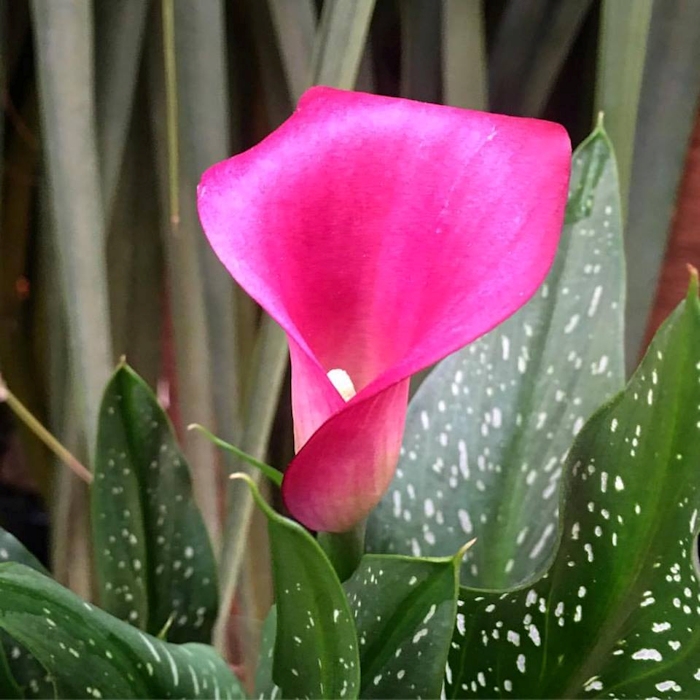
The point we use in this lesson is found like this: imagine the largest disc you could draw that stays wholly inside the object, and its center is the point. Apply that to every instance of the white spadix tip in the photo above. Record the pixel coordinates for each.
(340, 379)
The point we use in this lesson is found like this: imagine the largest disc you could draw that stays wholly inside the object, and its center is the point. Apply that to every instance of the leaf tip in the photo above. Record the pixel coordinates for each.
(464, 549)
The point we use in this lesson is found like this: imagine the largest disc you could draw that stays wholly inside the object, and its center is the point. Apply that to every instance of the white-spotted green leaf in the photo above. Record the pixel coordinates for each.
(11, 549)
(489, 429)
(264, 685)
(153, 557)
(316, 650)
(90, 654)
(9, 688)
(618, 613)
(21, 675)
(404, 611)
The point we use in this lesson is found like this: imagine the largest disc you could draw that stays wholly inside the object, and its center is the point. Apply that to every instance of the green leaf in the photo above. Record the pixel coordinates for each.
(622, 50)
(671, 77)
(489, 430)
(340, 42)
(316, 650)
(63, 36)
(21, 675)
(532, 42)
(90, 654)
(404, 611)
(152, 553)
(8, 685)
(617, 613)
(119, 33)
(464, 54)
(11, 549)
(295, 28)
(264, 685)
(421, 27)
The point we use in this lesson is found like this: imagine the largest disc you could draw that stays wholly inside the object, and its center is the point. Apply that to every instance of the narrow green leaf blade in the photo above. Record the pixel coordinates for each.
(533, 40)
(153, 555)
(340, 42)
(64, 38)
(404, 611)
(622, 51)
(316, 651)
(671, 77)
(421, 26)
(90, 654)
(489, 429)
(464, 74)
(119, 33)
(617, 614)
(295, 28)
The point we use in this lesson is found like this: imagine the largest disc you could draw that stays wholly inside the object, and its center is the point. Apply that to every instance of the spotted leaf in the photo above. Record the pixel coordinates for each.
(21, 675)
(264, 685)
(11, 549)
(404, 609)
(618, 613)
(154, 560)
(315, 648)
(90, 654)
(488, 431)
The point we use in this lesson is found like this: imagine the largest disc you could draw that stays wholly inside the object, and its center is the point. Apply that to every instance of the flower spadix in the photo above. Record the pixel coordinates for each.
(382, 234)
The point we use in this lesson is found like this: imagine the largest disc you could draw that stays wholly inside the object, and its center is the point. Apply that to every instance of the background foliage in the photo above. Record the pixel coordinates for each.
(113, 109)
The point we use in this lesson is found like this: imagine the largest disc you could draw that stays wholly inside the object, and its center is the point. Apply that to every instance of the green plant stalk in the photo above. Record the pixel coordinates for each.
(26, 416)
(271, 356)
(344, 549)
(186, 288)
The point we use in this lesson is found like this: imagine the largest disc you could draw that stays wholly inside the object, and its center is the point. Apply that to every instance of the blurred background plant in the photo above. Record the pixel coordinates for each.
(111, 111)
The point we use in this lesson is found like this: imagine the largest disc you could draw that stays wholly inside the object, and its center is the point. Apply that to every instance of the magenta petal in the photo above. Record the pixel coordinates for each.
(343, 470)
(382, 234)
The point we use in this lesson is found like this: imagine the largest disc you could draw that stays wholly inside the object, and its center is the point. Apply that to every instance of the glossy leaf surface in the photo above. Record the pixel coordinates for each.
(21, 675)
(404, 610)
(316, 650)
(490, 428)
(153, 555)
(617, 614)
(90, 654)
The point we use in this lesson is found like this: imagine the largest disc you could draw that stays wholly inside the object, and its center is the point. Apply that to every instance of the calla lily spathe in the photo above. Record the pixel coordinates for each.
(382, 234)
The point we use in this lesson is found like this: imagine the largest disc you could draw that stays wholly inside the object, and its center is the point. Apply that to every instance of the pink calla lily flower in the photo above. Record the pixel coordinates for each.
(382, 234)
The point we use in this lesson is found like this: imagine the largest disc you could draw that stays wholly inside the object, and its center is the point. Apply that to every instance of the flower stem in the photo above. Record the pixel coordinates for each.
(26, 416)
(344, 549)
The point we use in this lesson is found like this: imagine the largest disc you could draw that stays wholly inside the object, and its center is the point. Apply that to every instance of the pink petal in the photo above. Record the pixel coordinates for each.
(346, 466)
(382, 234)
